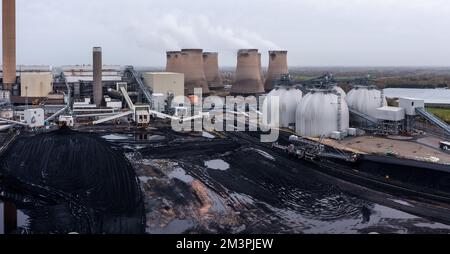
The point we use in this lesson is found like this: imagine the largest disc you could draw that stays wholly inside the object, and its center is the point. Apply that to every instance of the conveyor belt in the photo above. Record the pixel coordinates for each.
(433, 119)
(145, 89)
(364, 116)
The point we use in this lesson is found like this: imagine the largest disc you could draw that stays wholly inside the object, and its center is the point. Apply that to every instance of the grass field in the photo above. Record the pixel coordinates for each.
(443, 113)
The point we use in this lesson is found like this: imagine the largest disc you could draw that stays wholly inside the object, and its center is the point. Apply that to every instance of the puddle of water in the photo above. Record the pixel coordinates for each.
(115, 137)
(401, 202)
(174, 227)
(22, 219)
(432, 225)
(217, 165)
(264, 154)
(180, 174)
(208, 135)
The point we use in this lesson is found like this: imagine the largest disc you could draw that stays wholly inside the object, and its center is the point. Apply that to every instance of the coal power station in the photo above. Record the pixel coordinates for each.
(98, 148)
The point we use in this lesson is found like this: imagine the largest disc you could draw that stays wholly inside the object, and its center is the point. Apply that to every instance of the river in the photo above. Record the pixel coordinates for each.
(431, 96)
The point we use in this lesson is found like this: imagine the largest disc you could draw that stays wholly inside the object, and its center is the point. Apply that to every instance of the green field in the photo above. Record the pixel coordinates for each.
(443, 113)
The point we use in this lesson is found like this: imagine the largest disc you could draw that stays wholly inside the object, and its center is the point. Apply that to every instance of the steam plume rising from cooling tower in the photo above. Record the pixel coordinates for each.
(278, 66)
(192, 67)
(248, 73)
(211, 68)
(9, 43)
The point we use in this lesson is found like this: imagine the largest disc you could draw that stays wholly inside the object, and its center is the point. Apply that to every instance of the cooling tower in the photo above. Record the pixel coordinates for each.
(192, 67)
(174, 62)
(211, 68)
(97, 85)
(277, 66)
(9, 43)
(248, 73)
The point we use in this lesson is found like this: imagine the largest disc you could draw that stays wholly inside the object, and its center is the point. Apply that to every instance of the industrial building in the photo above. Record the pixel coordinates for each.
(80, 79)
(166, 83)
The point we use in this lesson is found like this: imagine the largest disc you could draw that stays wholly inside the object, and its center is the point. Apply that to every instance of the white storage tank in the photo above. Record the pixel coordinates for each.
(289, 99)
(366, 100)
(341, 91)
(318, 114)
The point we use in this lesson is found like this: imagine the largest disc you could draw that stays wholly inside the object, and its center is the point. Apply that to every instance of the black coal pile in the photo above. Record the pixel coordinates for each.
(70, 181)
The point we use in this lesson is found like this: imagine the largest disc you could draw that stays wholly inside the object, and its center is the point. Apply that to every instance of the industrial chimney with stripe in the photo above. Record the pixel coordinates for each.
(248, 73)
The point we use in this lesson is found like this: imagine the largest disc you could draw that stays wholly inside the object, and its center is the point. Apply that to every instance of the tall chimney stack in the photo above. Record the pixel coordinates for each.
(174, 62)
(9, 43)
(192, 67)
(97, 68)
(278, 66)
(248, 73)
(211, 68)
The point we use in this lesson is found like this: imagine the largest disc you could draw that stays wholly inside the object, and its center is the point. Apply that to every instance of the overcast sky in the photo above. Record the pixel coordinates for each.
(316, 32)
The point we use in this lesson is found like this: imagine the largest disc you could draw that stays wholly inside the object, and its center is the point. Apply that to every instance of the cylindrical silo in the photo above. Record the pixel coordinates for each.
(192, 67)
(366, 100)
(211, 68)
(320, 113)
(248, 73)
(340, 91)
(174, 62)
(97, 69)
(278, 66)
(9, 43)
(289, 99)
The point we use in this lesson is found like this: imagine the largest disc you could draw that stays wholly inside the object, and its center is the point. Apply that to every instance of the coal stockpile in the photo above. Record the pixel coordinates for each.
(75, 179)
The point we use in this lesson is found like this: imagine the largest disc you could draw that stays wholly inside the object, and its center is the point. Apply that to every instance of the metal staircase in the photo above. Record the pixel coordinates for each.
(433, 119)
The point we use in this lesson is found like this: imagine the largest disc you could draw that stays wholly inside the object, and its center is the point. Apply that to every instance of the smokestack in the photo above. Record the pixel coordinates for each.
(192, 67)
(97, 68)
(211, 68)
(278, 66)
(174, 62)
(248, 73)
(9, 43)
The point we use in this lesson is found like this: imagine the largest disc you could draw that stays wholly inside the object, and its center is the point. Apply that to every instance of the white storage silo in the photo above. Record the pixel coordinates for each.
(340, 91)
(366, 100)
(322, 112)
(289, 98)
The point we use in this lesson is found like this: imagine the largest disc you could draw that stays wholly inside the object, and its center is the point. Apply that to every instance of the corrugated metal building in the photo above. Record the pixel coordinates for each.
(36, 84)
(166, 82)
